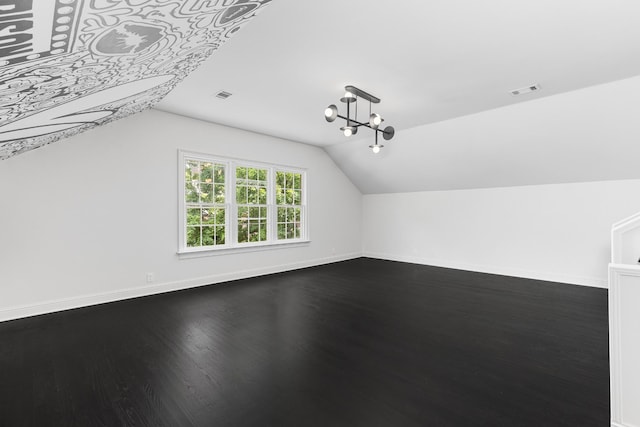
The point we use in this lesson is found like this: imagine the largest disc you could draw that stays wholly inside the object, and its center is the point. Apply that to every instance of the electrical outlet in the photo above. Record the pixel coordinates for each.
(149, 277)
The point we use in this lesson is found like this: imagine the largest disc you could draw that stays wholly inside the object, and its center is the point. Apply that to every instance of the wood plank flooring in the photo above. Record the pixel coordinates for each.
(357, 343)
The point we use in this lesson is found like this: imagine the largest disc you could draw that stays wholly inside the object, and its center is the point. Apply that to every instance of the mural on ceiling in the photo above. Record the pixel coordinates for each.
(69, 65)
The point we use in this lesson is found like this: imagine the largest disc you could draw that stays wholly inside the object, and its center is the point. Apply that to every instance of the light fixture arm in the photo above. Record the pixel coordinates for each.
(348, 115)
(362, 94)
(351, 122)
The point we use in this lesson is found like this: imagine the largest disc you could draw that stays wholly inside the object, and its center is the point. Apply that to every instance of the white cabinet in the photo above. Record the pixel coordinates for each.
(624, 322)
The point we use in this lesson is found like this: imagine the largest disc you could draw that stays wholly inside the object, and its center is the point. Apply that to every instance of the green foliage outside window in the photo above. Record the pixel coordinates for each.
(245, 216)
(289, 201)
(205, 198)
(251, 197)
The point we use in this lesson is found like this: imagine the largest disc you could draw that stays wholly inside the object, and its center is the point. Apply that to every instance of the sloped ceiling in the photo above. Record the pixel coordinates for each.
(69, 65)
(428, 61)
(592, 134)
(443, 69)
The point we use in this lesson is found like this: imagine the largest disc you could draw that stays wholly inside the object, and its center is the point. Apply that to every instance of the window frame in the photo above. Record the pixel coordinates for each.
(234, 184)
(231, 207)
(213, 205)
(288, 206)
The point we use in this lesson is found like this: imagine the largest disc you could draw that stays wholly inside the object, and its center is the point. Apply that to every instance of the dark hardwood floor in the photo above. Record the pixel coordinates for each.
(356, 343)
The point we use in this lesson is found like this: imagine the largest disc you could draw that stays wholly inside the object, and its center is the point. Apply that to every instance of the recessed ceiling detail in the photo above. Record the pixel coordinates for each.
(526, 89)
(223, 94)
(70, 65)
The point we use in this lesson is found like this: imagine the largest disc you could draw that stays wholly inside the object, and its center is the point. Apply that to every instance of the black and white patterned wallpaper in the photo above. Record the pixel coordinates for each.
(69, 65)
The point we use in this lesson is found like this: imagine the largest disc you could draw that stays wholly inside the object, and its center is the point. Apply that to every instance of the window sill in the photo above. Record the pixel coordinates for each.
(200, 253)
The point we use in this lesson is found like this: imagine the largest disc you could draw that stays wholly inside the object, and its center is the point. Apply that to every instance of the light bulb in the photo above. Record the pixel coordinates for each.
(375, 120)
(349, 130)
(330, 113)
(348, 98)
(375, 149)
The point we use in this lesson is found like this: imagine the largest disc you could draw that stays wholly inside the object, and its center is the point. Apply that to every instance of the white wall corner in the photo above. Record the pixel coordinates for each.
(594, 282)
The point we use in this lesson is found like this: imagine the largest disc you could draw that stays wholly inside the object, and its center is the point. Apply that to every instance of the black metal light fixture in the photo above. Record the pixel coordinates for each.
(352, 94)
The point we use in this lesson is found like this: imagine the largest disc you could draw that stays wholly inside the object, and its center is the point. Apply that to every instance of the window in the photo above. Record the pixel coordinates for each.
(251, 199)
(289, 203)
(204, 201)
(230, 204)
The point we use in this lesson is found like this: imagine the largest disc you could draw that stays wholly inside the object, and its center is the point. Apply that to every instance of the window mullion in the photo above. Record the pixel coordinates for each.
(304, 231)
(271, 201)
(233, 208)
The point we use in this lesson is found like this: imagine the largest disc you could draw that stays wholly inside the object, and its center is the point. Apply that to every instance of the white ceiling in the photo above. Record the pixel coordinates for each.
(428, 61)
(67, 66)
(586, 135)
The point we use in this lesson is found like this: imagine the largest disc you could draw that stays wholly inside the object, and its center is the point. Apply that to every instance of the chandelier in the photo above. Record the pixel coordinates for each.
(351, 96)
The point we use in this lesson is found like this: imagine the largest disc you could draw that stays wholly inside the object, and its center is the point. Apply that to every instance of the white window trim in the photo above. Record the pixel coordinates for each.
(231, 245)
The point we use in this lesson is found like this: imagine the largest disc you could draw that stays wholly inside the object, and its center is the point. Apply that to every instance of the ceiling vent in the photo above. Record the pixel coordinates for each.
(526, 89)
(223, 94)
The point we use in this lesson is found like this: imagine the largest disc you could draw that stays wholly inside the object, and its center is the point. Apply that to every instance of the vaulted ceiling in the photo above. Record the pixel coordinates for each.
(427, 60)
(69, 65)
(442, 68)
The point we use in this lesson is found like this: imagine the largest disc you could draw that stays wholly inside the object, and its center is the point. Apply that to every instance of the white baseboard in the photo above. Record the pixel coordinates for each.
(615, 424)
(492, 269)
(12, 313)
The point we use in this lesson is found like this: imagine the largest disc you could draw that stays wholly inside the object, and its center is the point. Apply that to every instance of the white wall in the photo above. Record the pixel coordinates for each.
(558, 232)
(631, 247)
(83, 220)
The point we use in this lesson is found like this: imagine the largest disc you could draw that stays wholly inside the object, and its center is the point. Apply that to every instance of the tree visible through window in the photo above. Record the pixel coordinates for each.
(289, 202)
(205, 203)
(231, 204)
(251, 199)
